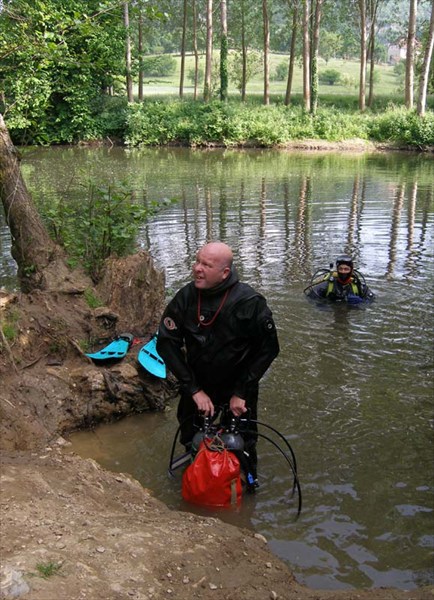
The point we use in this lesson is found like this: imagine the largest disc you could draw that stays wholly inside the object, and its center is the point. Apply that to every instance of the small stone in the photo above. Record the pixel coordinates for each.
(213, 586)
(273, 595)
(268, 565)
(259, 536)
(185, 579)
(100, 549)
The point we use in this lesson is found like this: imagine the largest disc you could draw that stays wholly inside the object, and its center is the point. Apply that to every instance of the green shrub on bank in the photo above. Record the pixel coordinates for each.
(173, 121)
(196, 123)
(102, 222)
(402, 126)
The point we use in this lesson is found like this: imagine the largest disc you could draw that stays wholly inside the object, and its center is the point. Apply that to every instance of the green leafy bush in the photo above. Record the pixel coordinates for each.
(104, 222)
(329, 76)
(403, 126)
(281, 72)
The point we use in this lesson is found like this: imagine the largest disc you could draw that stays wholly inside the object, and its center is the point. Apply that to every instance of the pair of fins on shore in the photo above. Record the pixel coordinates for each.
(147, 357)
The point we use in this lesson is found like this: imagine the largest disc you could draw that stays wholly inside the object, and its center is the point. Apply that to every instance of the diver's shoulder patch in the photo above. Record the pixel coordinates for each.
(269, 325)
(169, 324)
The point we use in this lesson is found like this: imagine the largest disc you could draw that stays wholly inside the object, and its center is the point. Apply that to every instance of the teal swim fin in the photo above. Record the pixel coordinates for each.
(115, 350)
(150, 360)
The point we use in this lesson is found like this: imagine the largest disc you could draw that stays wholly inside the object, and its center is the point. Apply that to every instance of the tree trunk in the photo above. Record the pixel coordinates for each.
(208, 59)
(362, 81)
(182, 69)
(140, 49)
(314, 62)
(224, 52)
(409, 62)
(306, 56)
(424, 76)
(266, 24)
(244, 54)
(291, 56)
(41, 263)
(129, 78)
(373, 15)
(195, 50)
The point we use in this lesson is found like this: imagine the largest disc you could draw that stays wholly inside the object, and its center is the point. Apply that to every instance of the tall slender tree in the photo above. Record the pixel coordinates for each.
(314, 54)
(372, 11)
(195, 50)
(208, 57)
(183, 38)
(140, 50)
(410, 56)
(294, 6)
(427, 58)
(128, 71)
(306, 56)
(363, 55)
(266, 26)
(223, 52)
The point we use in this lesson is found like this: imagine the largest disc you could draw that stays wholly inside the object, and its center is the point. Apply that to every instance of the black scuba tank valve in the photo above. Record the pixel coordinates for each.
(232, 440)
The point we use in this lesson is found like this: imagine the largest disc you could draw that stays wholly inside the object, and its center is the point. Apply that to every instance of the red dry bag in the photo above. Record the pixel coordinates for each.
(213, 478)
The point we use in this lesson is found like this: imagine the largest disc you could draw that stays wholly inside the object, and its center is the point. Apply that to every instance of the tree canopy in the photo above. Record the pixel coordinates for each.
(63, 62)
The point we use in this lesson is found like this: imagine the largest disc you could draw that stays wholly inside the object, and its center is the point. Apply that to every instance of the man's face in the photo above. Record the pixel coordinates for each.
(209, 269)
(344, 272)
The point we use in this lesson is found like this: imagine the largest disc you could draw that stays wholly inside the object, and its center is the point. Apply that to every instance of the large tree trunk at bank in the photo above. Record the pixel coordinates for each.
(40, 261)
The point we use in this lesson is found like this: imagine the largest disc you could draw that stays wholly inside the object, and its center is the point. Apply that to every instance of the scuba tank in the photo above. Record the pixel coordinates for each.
(231, 438)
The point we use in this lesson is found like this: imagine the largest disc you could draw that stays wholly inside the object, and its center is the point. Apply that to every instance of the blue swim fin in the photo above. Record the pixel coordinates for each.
(150, 360)
(115, 350)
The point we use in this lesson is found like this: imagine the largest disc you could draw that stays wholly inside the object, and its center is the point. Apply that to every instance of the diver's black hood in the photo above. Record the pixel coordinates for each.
(231, 280)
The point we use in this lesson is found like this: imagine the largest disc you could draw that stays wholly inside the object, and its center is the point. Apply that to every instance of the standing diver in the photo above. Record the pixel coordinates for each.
(345, 284)
(218, 337)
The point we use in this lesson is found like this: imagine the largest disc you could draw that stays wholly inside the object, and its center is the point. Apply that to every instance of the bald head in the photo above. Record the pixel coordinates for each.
(219, 251)
(213, 265)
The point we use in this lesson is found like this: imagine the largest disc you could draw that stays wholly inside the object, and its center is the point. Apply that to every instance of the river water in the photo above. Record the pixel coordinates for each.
(352, 388)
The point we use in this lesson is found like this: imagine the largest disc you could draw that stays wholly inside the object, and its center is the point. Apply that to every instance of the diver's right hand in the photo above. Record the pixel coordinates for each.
(204, 403)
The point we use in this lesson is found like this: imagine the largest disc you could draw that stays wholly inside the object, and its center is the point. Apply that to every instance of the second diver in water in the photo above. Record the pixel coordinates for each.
(343, 284)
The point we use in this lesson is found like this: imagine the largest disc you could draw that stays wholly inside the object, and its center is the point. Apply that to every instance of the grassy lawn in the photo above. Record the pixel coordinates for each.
(386, 84)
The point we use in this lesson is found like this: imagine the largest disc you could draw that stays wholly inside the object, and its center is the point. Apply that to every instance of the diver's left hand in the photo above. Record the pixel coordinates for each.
(237, 406)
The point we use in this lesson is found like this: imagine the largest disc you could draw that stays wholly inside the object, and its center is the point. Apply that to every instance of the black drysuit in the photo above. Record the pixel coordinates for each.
(221, 345)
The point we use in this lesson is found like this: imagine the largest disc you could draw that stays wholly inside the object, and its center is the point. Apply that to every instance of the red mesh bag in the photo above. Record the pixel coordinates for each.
(213, 478)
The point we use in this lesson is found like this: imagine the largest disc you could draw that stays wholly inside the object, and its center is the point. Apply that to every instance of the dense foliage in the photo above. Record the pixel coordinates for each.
(192, 123)
(103, 221)
(63, 72)
(58, 57)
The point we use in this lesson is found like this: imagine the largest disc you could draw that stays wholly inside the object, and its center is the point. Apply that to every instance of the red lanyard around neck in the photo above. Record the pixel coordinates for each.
(200, 319)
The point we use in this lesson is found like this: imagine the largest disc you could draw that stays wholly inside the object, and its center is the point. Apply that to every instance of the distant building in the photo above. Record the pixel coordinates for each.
(397, 51)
